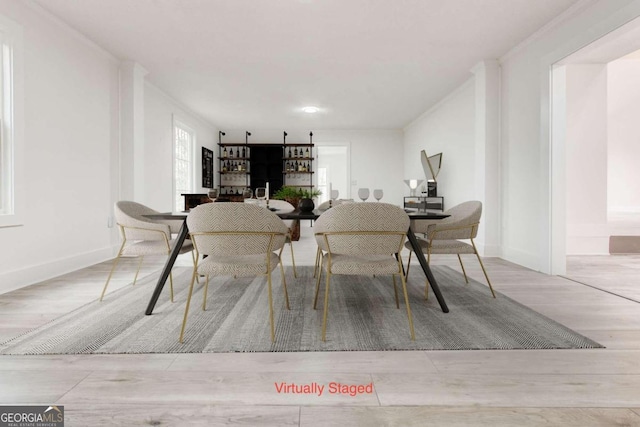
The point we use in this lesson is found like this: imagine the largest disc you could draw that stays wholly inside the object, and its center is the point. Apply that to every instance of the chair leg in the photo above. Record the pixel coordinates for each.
(293, 261)
(395, 290)
(206, 288)
(426, 290)
(171, 285)
(315, 299)
(483, 270)
(326, 307)
(463, 272)
(193, 257)
(408, 264)
(113, 267)
(138, 270)
(406, 301)
(284, 286)
(315, 265)
(273, 333)
(186, 309)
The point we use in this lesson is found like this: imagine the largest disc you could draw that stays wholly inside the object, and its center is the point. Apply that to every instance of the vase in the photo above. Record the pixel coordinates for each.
(306, 205)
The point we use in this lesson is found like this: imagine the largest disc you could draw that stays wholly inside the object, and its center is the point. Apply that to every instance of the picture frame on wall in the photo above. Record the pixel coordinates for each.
(207, 168)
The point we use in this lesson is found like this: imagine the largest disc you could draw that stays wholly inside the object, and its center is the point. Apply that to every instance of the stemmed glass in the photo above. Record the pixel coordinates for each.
(363, 193)
(332, 197)
(261, 194)
(378, 194)
(247, 193)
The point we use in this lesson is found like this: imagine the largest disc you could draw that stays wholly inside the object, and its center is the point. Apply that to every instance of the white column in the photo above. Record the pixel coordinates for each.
(487, 154)
(132, 131)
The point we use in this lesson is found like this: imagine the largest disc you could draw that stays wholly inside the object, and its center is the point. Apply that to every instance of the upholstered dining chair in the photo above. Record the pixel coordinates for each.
(238, 239)
(143, 236)
(284, 206)
(362, 239)
(450, 236)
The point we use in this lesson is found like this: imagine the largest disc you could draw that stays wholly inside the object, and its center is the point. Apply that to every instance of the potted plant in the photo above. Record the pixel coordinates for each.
(297, 197)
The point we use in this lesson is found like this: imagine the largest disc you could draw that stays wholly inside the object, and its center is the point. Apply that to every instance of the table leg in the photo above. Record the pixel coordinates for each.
(417, 249)
(182, 235)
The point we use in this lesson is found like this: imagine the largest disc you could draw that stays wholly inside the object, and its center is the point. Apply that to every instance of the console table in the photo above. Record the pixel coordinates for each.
(422, 203)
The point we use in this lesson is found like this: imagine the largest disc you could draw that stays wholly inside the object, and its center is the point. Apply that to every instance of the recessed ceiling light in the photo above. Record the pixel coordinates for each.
(310, 110)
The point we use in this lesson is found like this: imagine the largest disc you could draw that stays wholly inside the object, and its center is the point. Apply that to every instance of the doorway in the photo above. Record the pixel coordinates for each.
(333, 171)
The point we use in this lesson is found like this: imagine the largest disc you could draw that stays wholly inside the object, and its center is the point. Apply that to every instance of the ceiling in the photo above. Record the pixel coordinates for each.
(253, 64)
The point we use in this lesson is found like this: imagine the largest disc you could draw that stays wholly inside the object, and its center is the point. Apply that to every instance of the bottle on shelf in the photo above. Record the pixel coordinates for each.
(244, 152)
(295, 152)
(289, 155)
(224, 152)
(306, 153)
(231, 152)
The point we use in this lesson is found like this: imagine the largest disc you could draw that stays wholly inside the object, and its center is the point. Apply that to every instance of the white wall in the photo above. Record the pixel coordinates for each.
(71, 152)
(70, 134)
(586, 159)
(448, 128)
(529, 160)
(159, 113)
(376, 155)
(624, 135)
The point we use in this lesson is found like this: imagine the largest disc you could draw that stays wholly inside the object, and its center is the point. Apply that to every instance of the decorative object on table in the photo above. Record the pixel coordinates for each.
(413, 184)
(377, 194)
(261, 194)
(306, 205)
(294, 195)
(363, 194)
(333, 195)
(431, 166)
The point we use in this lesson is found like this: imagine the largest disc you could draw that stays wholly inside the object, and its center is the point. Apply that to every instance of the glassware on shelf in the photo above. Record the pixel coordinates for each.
(363, 193)
(377, 194)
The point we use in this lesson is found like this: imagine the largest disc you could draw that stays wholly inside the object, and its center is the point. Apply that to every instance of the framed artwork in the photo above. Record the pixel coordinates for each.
(207, 168)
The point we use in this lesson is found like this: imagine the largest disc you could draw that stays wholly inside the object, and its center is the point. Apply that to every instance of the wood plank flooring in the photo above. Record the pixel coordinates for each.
(596, 387)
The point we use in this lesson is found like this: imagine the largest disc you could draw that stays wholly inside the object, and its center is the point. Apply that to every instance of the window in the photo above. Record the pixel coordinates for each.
(184, 141)
(7, 147)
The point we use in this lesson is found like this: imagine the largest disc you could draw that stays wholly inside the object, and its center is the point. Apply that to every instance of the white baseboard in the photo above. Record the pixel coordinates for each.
(26, 276)
(526, 259)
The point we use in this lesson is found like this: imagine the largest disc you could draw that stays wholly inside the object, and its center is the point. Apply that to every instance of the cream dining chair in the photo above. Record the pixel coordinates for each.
(143, 236)
(283, 207)
(238, 239)
(447, 236)
(362, 239)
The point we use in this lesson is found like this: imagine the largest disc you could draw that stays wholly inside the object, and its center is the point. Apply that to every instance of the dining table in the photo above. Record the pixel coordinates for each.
(295, 215)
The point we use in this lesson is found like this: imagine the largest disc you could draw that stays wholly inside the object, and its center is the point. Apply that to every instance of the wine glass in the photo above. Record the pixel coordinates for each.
(247, 193)
(378, 194)
(363, 193)
(261, 194)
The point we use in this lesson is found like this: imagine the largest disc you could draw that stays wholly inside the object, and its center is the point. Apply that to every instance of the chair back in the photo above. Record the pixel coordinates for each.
(362, 228)
(329, 204)
(461, 224)
(130, 215)
(232, 229)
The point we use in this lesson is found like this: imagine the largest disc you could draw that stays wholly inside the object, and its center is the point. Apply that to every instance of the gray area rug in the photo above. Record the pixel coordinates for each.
(362, 316)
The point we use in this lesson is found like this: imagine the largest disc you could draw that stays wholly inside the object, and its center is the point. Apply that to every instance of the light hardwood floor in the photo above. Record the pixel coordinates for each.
(599, 387)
